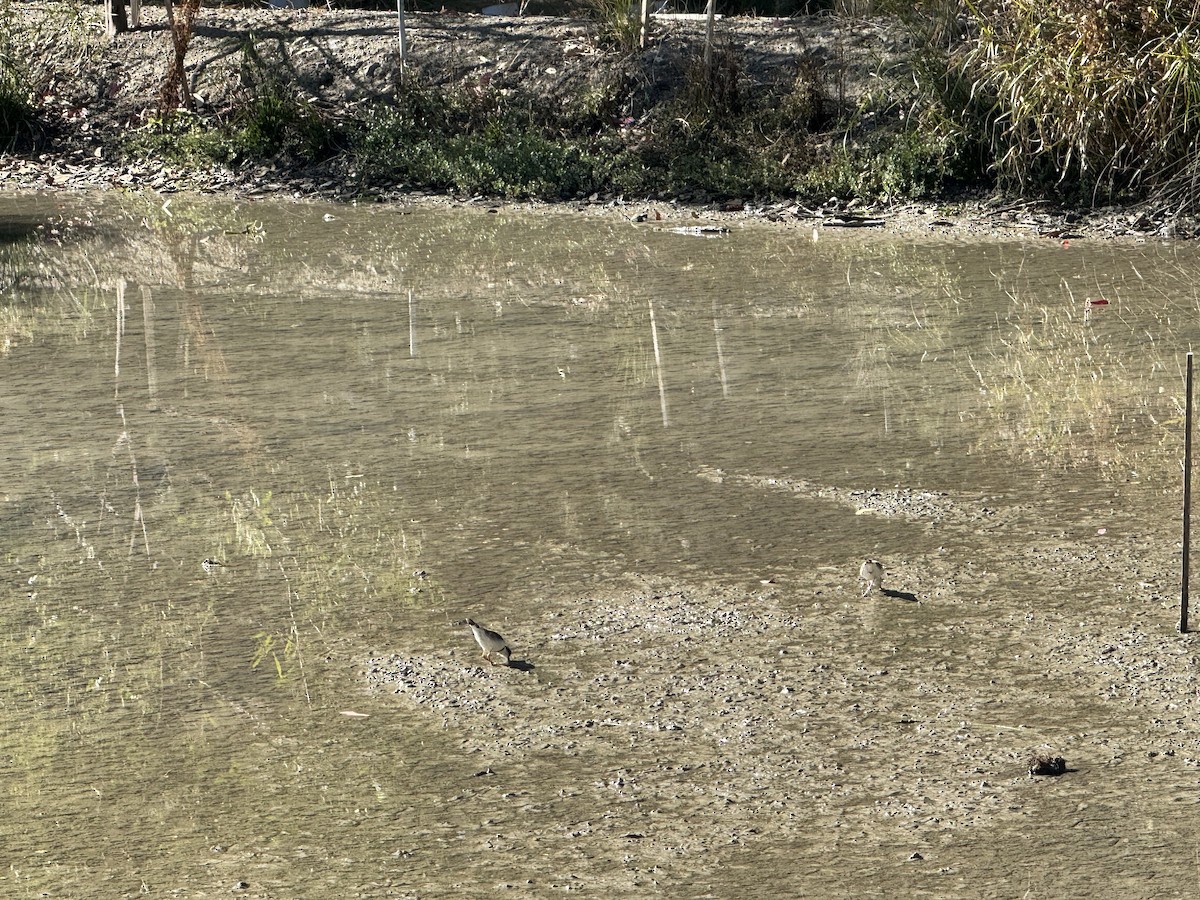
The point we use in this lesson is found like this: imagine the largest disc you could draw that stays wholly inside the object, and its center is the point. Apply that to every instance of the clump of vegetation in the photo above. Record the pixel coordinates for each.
(182, 137)
(1079, 100)
(468, 141)
(16, 110)
(619, 22)
(1091, 99)
(270, 121)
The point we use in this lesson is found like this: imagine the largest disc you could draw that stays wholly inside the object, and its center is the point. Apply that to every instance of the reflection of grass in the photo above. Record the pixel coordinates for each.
(51, 310)
(1069, 388)
(15, 328)
(97, 634)
(339, 553)
(251, 517)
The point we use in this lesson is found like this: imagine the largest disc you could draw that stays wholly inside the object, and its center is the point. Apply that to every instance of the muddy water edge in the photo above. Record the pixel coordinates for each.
(653, 461)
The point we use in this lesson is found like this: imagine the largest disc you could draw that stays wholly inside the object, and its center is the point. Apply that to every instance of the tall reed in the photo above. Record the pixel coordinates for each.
(1096, 99)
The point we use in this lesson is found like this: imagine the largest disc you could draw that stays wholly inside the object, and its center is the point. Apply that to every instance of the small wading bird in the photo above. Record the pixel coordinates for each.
(211, 565)
(489, 642)
(871, 572)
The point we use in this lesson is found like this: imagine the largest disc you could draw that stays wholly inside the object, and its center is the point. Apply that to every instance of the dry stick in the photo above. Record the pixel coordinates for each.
(175, 91)
(1187, 497)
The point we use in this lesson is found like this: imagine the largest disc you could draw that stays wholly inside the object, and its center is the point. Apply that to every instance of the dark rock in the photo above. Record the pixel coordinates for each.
(1044, 764)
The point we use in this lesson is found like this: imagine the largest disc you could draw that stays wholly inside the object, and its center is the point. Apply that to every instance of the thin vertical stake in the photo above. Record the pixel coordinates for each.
(403, 36)
(708, 40)
(1187, 497)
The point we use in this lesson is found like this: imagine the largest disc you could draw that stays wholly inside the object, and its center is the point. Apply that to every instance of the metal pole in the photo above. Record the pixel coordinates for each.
(1187, 497)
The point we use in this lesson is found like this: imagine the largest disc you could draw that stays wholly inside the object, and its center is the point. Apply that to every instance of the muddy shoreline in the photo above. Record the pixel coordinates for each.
(674, 729)
(776, 735)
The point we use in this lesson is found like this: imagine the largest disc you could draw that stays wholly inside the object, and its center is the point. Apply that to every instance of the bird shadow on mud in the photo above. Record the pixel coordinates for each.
(899, 595)
(521, 665)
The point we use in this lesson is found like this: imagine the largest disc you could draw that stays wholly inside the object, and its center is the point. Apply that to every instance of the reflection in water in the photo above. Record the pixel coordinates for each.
(297, 436)
(658, 366)
(717, 329)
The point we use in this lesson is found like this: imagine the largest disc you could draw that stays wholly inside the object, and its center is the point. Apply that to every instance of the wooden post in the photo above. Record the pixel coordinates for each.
(403, 36)
(115, 20)
(645, 21)
(1187, 497)
(708, 39)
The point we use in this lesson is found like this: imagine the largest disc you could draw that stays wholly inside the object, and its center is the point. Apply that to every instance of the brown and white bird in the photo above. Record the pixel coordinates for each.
(489, 642)
(871, 572)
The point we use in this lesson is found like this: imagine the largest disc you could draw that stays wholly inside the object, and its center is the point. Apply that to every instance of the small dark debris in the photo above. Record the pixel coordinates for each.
(852, 222)
(1041, 764)
(916, 857)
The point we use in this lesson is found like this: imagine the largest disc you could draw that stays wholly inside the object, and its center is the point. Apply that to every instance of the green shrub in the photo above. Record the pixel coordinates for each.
(497, 156)
(274, 123)
(892, 167)
(16, 109)
(184, 138)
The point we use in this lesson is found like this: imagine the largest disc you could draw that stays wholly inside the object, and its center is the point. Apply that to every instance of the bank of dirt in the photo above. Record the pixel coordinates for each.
(93, 91)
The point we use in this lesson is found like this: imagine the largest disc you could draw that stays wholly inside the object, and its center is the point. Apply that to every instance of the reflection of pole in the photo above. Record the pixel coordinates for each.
(1187, 496)
(662, 391)
(151, 365)
(120, 334)
(139, 520)
(412, 326)
(720, 354)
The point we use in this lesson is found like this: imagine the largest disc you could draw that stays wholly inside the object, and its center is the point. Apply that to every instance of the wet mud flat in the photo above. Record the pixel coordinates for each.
(694, 736)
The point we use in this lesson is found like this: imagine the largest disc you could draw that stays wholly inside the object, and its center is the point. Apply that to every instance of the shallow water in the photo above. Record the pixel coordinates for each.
(381, 420)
